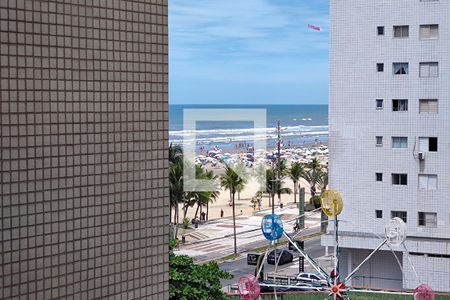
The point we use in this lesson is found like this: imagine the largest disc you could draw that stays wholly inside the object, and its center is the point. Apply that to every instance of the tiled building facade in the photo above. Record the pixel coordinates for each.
(389, 137)
(83, 193)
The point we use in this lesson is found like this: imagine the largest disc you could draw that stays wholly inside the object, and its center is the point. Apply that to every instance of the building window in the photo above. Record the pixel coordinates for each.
(399, 105)
(380, 30)
(379, 141)
(379, 214)
(427, 182)
(400, 179)
(400, 68)
(399, 142)
(427, 219)
(379, 103)
(428, 144)
(429, 32)
(429, 69)
(428, 106)
(401, 31)
(399, 214)
(380, 67)
(379, 176)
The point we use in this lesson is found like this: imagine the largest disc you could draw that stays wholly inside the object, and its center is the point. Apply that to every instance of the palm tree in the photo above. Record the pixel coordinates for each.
(313, 177)
(259, 172)
(274, 186)
(314, 164)
(176, 189)
(205, 197)
(324, 181)
(175, 153)
(213, 195)
(295, 173)
(239, 189)
(175, 178)
(230, 180)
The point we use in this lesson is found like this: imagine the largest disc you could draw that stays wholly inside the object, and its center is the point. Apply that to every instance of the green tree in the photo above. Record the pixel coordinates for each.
(188, 281)
(314, 164)
(176, 192)
(213, 195)
(314, 177)
(231, 181)
(275, 186)
(324, 181)
(199, 197)
(176, 189)
(175, 153)
(295, 173)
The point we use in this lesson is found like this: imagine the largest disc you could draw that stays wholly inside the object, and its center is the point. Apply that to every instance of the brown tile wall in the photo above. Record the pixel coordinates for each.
(84, 193)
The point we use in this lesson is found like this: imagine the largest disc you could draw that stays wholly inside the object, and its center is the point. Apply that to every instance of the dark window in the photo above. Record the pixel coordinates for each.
(427, 219)
(379, 214)
(399, 214)
(400, 68)
(380, 30)
(421, 219)
(399, 105)
(312, 276)
(379, 176)
(380, 67)
(433, 144)
(379, 103)
(379, 141)
(399, 179)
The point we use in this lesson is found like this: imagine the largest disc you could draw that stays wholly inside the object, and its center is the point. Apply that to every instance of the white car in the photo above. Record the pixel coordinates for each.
(311, 278)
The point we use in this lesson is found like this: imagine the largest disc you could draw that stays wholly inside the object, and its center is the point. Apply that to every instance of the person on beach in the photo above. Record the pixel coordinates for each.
(221, 213)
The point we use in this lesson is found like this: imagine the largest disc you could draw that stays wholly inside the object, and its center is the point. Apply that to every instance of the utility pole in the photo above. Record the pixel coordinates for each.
(279, 163)
(278, 179)
(273, 186)
(273, 189)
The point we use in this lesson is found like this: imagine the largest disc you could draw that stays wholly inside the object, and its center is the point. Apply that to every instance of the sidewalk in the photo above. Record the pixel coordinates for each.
(214, 239)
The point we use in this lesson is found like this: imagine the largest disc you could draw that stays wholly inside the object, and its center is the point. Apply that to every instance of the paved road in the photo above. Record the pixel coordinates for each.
(239, 266)
(207, 250)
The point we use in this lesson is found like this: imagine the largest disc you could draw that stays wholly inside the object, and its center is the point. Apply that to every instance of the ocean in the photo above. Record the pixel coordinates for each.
(300, 124)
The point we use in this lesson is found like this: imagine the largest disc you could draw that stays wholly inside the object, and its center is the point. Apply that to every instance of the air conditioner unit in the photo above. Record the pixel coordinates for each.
(421, 156)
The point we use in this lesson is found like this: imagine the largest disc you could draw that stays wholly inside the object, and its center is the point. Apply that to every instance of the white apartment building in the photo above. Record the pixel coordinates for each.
(389, 118)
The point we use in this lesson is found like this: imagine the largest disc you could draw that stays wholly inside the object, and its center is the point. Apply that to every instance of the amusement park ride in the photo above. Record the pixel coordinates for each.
(337, 288)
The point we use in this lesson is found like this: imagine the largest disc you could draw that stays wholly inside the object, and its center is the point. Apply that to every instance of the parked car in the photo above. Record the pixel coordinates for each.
(301, 286)
(252, 259)
(286, 257)
(311, 278)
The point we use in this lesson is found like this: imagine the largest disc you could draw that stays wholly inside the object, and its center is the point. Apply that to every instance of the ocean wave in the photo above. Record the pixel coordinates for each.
(300, 129)
(244, 138)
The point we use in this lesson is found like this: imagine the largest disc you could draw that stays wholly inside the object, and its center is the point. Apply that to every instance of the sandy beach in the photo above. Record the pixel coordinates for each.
(243, 204)
(243, 200)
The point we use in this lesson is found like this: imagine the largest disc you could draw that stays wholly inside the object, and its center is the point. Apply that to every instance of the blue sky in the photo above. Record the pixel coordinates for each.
(248, 52)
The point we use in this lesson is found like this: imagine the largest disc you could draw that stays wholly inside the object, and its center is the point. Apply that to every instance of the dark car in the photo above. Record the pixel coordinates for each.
(252, 259)
(286, 257)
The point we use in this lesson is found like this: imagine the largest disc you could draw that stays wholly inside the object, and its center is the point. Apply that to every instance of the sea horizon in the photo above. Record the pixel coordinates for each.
(301, 125)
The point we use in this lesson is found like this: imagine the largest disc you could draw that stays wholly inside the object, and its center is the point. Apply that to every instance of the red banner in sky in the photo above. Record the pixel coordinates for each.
(314, 27)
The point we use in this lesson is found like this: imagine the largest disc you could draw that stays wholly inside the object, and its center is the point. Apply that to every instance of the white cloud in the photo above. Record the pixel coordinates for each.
(250, 26)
